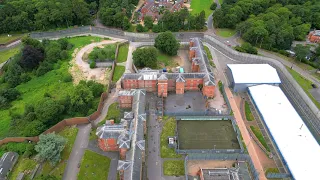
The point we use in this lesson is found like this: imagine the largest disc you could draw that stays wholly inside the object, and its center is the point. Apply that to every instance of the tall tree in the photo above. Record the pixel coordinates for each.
(167, 43)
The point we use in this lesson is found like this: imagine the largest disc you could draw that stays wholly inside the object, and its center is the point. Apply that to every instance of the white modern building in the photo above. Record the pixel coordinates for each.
(242, 76)
(299, 150)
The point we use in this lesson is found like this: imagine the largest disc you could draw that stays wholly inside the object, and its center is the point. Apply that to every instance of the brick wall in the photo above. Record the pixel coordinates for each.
(180, 88)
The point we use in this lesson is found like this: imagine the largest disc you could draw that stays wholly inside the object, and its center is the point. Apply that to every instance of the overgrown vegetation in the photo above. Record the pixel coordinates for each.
(247, 48)
(44, 99)
(173, 168)
(209, 56)
(169, 126)
(106, 53)
(94, 166)
(28, 15)
(145, 57)
(249, 115)
(256, 131)
(23, 165)
(118, 71)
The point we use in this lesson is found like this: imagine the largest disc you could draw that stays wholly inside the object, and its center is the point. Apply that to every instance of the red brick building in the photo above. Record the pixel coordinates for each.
(200, 78)
(314, 36)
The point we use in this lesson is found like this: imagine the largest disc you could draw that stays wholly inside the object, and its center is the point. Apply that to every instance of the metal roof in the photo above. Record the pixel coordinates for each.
(298, 147)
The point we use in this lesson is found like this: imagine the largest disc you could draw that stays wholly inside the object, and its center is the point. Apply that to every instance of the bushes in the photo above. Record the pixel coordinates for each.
(92, 64)
(24, 148)
(213, 6)
(145, 57)
(140, 28)
(247, 48)
(103, 54)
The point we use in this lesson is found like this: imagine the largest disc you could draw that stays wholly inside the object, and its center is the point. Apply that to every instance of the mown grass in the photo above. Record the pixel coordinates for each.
(305, 85)
(118, 71)
(94, 166)
(123, 53)
(173, 168)
(249, 115)
(5, 55)
(52, 83)
(226, 32)
(257, 132)
(165, 60)
(113, 112)
(169, 126)
(23, 165)
(198, 5)
(5, 39)
(70, 133)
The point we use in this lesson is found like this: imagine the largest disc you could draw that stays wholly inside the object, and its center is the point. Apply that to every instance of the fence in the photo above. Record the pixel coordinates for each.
(217, 151)
(234, 157)
(278, 175)
(62, 124)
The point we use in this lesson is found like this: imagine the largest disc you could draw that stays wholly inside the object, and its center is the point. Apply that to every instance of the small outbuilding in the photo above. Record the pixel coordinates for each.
(7, 162)
(242, 76)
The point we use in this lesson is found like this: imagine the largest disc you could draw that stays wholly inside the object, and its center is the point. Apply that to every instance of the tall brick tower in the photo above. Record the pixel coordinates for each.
(163, 86)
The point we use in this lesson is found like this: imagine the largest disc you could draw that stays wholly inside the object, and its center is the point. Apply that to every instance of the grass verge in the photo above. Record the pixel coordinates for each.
(118, 71)
(173, 168)
(198, 5)
(23, 165)
(94, 166)
(226, 32)
(123, 53)
(209, 56)
(256, 131)
(305, 85)
(168, 130)
(5, 55)
(70, 133)
(5, 39)
(249, 115)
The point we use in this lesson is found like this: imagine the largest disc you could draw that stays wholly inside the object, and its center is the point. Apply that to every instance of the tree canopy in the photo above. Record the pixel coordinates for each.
(167, 43)
(145, 57)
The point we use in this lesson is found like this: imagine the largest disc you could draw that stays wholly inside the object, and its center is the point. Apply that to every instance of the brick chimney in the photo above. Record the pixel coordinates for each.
(112, 122)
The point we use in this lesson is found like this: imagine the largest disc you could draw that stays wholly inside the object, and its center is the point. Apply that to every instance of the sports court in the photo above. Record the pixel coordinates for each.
(206, 134)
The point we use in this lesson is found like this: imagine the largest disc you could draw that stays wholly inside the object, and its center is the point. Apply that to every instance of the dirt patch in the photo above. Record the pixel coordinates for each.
(195, 165)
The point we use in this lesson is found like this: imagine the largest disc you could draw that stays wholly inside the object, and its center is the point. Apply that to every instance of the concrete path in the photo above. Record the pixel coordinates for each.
(81, 142)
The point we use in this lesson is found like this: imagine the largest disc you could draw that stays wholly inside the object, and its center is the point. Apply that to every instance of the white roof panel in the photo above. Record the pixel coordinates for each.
(254, 73)
(294, 140)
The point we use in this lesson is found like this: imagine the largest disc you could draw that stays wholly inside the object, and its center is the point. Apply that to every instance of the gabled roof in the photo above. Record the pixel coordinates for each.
(180, 78)
(128, 115)
(163, 77)
(141, 144)
(123, 165)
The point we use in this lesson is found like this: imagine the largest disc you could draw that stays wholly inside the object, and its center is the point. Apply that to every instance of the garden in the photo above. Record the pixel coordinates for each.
(169, 126)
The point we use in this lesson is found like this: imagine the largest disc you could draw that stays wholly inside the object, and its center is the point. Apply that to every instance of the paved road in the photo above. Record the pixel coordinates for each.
(81, 142)
(154, 170)
(210, 20)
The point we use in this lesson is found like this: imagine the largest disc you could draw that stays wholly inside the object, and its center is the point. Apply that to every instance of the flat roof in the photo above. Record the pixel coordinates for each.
(298, 147)
(254, 73)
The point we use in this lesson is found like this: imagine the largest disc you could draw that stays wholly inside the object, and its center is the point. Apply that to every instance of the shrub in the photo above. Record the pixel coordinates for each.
(92, 64)
(145, 57)
(213, 6)
(64, 54)
(67, 78)
(140, 28)
(156, 28)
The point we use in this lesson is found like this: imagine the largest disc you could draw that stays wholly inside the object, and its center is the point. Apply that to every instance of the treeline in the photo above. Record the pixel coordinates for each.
(117, 13)
(175, 21)
(30, 15)
(269, 24)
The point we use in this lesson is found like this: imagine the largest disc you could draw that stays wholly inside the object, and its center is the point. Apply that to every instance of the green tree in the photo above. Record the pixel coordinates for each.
(126, 23)
(145, 57)
(48, 111)
(213, 6)
(148, 22)
(81, 98)
(167, 43)
(140, 28)
(301, 52)
(49, 148)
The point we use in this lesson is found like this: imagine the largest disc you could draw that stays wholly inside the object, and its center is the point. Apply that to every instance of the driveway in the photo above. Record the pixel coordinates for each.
(81, 142)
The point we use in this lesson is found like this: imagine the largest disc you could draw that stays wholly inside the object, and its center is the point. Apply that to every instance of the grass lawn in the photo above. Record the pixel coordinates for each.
(305, 85)
(118, 71)
(23, 165)
(173, 168)
(94, 166)
(226, 32)
(168, 130)
(5, 55)
(249, 115)
(4, 37)
(123, 53)
(70, 133)
(51, 82)
(256, 131)
(198, 5)
(113, 112)
(165, 60)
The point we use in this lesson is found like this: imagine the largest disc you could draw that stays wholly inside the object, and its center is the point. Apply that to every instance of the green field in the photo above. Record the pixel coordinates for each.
(256, 131)
(52, 82)
(173, 168)
(94, 166)
(198, 5)
(5, 55)
(249, 115)
(70, 133)
(225, 32)
(169, 125)
(123, 53)
(4, 37)
(207, 135)
(118, 71)
(305, 85)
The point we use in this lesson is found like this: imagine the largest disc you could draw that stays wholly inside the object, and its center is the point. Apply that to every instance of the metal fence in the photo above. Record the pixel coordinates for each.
(234, 157)
(217, 151)
(194, 113)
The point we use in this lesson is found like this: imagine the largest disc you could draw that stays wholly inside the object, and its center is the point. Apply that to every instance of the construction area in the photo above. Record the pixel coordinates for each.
(206, 134)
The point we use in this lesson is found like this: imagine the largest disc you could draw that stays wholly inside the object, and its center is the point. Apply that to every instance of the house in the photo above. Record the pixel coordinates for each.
(314, 36)
(7, 162)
